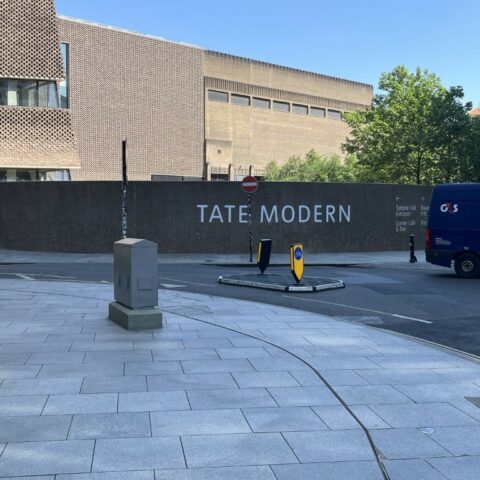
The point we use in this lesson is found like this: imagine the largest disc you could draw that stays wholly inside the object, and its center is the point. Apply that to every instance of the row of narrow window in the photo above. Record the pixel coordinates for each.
(246, 101)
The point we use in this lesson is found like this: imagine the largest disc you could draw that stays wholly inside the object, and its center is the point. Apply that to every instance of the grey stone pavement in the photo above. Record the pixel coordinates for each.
(236, 398)
(345, 258)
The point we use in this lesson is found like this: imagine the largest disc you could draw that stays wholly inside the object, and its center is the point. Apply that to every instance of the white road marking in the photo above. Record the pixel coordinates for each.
(396, 315)
(25, 277)
(189, 283)
(171, 285)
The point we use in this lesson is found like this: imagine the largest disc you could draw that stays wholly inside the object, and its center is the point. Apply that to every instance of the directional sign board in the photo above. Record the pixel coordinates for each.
(297, 261)
(249, 184)
(263, 254)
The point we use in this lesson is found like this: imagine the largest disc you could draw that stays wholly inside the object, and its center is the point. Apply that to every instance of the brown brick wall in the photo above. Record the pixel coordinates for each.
(29, 46)
(39, 138)
(148, 90)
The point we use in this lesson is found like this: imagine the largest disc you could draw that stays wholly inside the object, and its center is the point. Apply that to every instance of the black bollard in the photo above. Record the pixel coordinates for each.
(413, 258)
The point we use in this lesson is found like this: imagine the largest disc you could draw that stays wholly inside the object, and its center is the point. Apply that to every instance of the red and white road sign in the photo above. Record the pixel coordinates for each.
(249, 184)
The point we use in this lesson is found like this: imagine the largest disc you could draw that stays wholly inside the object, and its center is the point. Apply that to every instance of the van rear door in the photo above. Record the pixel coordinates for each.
(454, 220)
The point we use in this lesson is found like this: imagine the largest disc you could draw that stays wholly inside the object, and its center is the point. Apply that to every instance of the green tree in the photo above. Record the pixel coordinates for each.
(416, 131)
(451, 136)
(472, 156)
(314, 168)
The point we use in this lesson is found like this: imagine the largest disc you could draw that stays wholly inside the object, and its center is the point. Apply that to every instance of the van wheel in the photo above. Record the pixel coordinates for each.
(467, 265)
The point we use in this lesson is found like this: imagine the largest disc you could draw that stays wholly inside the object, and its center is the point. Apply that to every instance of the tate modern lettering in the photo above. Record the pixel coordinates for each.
(276, 214)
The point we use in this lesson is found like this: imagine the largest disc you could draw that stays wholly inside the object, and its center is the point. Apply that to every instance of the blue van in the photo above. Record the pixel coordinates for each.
(453, 233)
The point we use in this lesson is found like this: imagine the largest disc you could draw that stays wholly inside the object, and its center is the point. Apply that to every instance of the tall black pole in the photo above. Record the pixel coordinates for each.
(124, 189)
(250, 226)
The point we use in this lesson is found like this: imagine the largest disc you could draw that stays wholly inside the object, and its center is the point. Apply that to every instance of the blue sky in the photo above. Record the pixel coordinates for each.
(354, 39)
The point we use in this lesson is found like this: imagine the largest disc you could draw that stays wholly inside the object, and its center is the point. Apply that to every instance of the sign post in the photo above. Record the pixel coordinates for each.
(124, 189)
(250, 185)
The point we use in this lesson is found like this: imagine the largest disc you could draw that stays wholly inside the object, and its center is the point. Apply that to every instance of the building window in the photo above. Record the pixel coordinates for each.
(240, 99)
(300, 109)
(281, 106)
(317, 112)
(28, 93)
(261, 102)
(334, 114)
(217, 96)
(3, 175)
(64, 84)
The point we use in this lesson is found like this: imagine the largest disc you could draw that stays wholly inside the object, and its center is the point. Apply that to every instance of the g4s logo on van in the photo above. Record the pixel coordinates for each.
(449, 207)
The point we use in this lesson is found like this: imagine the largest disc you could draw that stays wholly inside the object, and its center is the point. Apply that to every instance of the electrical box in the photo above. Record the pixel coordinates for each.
(135, 272)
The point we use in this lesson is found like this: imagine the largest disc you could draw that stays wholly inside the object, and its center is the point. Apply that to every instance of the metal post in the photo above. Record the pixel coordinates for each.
(413, 258)
(250, 226)
(124, 189)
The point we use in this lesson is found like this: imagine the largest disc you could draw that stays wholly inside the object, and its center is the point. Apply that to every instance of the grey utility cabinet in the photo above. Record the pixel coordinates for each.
(135, 273)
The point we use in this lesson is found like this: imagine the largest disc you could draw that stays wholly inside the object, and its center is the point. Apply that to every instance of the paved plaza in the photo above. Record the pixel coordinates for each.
(228, 389)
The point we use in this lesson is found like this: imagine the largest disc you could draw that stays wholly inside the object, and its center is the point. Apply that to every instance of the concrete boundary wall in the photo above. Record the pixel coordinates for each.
(200, 217)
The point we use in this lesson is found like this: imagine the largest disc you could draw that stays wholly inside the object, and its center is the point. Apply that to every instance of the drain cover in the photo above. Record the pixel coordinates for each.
(474, 400)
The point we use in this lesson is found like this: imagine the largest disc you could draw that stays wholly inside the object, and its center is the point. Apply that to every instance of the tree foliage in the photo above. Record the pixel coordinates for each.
(316, 168)
(416, 131)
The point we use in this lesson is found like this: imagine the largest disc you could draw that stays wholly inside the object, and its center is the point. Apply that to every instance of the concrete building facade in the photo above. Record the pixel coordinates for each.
(257, 112)
(186, 112)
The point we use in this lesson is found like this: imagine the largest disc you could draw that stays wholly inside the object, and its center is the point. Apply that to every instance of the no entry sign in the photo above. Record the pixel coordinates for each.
(249, 184)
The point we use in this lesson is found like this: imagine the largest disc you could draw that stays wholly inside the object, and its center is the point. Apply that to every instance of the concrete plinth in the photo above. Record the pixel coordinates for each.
(135, 319)
(283, 283)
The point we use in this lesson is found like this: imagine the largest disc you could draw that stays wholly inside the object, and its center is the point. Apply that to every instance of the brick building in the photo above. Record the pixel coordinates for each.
(36, 136)
(186, 111)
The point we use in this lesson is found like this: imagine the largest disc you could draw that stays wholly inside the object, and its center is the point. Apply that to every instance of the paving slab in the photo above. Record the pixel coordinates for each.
(287, 419)
(19, 371)
(457, 468)
(423, 415)
(405, 443)
(235, 450)
(220, 473)
(158, 383)
(42, 386)
(46, 458)
(458, 440)
(303, 396)
(22, 406)
(34, 428)
(144, 475)
(153, 401)
(152, 368)
(82, 403)
(137, 454)
(369, 418)
(198, 422)
(412, 469)
(330, 446)
(371, 394)
(265, 379)
(249, 353)
(215, 366)
(110, 425)
(330, 471)
(230, 398)
(103, 384)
